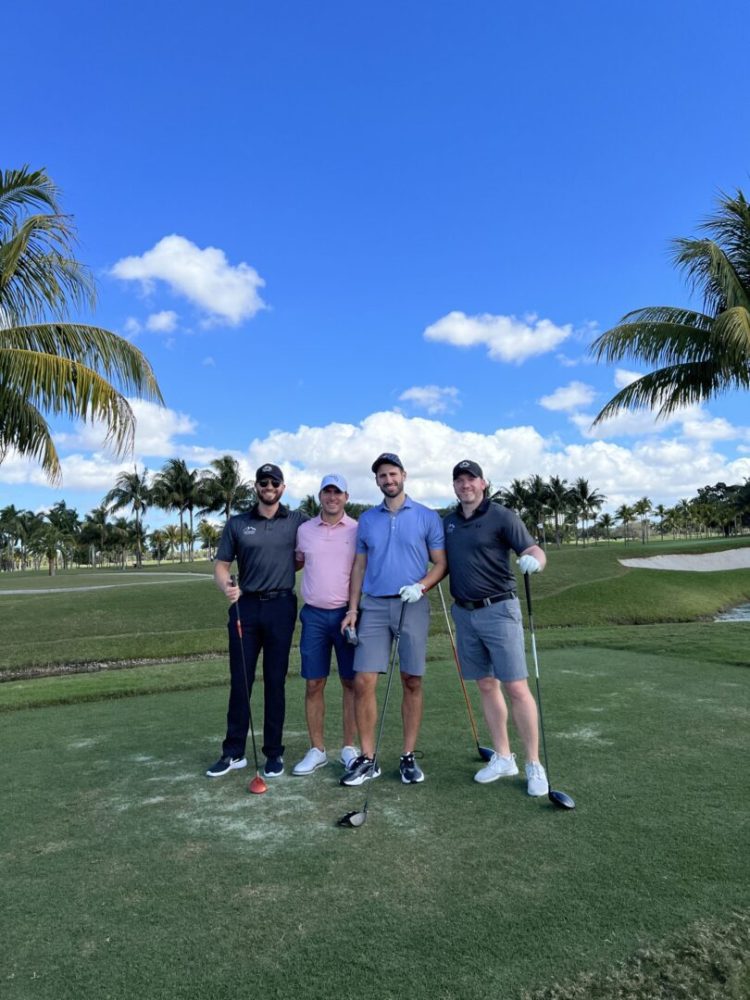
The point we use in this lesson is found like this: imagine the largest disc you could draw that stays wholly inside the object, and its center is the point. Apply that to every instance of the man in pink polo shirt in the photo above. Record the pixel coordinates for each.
(326, 546)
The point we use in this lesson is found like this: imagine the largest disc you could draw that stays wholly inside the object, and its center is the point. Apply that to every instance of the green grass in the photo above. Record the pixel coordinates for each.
(127, 873)
(154, 613)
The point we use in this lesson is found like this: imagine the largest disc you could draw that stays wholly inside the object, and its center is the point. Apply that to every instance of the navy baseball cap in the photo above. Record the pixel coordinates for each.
(387, 458)
(269, 472)
(468, 468)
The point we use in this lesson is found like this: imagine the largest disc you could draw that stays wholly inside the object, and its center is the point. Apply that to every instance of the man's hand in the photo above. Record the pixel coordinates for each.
(349, 620)
(412, 593)
(528, 564)
(232, 591)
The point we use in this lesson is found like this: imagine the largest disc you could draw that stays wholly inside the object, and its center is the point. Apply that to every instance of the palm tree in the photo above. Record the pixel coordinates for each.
(68, 525)
(224, 489)
(310, 505)
(558, 500)
(209, 535)
(698, 354)
(176, 488)
(132, 490)
(11, 529)
(173, 534)
(605, 522)
(586, 501)
(642, 508)
(625, 515)
(661, 512)
(48, 364)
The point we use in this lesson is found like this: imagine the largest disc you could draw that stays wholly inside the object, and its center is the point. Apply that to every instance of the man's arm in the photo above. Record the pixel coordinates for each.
(223, 580)
(355, 590)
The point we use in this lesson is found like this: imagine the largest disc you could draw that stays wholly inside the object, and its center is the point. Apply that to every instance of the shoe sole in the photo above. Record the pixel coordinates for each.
(301, 774)
(232, 767)
(494, 777)
(537, 795)
(359, 780)
(274, 774)
(412, 781)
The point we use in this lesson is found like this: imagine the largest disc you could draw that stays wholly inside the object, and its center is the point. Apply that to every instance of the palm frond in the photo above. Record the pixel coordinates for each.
(114, 357)
(656, 335)
(23, 428)
(711, 272)
(68, 388)
(24, 188)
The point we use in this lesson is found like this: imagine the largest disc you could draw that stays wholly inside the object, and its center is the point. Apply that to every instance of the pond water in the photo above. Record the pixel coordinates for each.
(739, 614)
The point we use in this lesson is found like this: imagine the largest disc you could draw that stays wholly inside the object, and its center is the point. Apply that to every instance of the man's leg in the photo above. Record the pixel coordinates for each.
(315, 711)
(350, 718)
(238, 712)
(278, 617)
(366, 709)
(495, 713)
(411, 710)
(523, 710)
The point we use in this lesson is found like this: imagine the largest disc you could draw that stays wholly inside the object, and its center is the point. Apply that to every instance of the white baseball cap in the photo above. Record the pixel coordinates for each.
(334, 479)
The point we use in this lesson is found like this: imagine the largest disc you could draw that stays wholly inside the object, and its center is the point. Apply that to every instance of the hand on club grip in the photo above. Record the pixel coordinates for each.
(528, 564)
(412, 593)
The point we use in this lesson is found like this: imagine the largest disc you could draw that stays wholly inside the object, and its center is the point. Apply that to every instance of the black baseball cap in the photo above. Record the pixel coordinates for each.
(269, 472)
(468, 468)
(387, 458)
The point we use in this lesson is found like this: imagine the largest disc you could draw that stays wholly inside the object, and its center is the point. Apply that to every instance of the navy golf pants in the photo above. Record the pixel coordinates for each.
(267, 625)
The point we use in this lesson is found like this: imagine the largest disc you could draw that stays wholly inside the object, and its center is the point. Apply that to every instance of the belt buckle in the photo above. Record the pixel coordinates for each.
(486, 602)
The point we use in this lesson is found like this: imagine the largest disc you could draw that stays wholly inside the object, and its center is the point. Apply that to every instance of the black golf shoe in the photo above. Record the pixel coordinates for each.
(411, 772)
(362, 769)
(224, 765)
(274, 767)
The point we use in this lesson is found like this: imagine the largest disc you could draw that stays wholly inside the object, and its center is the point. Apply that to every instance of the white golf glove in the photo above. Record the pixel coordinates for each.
(528, 564)
(412, 593)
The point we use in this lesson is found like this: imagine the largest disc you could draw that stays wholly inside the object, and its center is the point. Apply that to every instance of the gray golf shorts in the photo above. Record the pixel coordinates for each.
(377, 625)
(490, 641)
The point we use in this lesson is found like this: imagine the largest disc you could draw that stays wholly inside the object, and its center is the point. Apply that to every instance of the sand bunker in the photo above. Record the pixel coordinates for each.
(708, 562)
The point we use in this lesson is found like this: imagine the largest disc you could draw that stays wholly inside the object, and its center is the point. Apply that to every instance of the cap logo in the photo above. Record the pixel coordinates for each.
(463, 465)
(266, 468)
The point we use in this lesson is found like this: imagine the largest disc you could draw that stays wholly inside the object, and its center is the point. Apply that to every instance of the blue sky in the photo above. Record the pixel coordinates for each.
(342, 228)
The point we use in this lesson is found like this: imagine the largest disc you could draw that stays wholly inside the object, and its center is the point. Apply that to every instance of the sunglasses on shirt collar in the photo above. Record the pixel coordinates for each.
(270, 482)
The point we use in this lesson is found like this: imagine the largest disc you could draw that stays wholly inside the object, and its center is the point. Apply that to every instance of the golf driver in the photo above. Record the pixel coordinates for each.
(484, 752)
(360, 818)
(559, 799)
(257, 786)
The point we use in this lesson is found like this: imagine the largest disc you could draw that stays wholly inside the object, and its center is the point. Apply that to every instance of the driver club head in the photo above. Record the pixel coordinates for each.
(560, 799)
(257, 786)
(352, 819)
(485, 753)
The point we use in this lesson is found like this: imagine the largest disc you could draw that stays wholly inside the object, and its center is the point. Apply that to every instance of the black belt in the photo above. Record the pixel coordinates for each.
(385, 597)
(485, 603)
(267, 595)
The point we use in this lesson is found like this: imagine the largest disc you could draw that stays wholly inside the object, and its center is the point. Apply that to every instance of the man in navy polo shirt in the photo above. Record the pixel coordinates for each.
(263, 543)
(479, 536)
(396, 542)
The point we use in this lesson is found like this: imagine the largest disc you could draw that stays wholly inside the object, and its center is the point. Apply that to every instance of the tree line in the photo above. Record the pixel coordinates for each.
(554, 511)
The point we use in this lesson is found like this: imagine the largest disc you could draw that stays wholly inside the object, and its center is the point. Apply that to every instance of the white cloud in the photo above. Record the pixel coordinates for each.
(131, 327)
(155, 433)
(624, 377)
(433, 398)
(507, 338)
(569, 397)
(162, 322)
(208, 362)
(202, 276)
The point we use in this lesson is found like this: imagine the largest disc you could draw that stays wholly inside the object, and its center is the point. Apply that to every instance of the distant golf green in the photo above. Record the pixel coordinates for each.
(128, 873)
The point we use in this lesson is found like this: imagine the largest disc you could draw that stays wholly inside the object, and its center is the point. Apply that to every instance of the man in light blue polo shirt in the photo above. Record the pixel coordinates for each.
(396, 542)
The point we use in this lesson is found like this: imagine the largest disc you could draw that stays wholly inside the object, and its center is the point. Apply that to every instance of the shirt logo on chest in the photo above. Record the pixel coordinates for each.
(249, 529)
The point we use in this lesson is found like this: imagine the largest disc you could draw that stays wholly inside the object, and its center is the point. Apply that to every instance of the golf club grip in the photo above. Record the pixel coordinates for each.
(527, 586)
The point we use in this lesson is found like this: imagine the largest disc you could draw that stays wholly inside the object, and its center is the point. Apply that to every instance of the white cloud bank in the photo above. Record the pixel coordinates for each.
(202, 276)
(569, 397)
(506, 338)
(432, 398)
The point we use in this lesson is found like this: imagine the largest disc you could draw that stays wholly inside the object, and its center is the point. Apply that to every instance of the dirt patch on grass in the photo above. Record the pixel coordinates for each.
(61, 669)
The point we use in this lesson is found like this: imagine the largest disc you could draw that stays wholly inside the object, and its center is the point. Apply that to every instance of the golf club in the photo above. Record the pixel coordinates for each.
(484, 752)
(257, 786)
(559, 799)
(356, 819)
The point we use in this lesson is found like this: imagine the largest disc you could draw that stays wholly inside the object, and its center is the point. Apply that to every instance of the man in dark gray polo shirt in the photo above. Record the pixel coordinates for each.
(479, 536)
(263, 543)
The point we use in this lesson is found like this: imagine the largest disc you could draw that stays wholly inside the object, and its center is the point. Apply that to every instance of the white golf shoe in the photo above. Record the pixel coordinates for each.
(312, 760)
(498, 767)
(536, 779)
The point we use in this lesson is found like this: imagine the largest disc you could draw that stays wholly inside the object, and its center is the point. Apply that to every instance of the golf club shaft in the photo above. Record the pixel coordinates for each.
(238, 622)
(532, 634)
(458, 668)
(394, 653)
